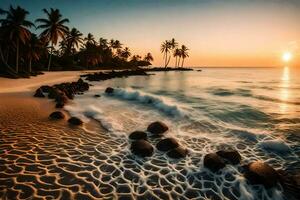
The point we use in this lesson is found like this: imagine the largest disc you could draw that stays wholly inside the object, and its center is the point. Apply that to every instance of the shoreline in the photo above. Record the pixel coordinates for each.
(30, 140)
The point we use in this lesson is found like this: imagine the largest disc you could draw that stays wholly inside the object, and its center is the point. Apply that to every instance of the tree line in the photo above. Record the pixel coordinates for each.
(57, 47)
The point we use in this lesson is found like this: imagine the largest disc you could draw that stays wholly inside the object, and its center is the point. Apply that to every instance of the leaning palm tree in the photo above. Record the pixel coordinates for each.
(90, 39)
(183, 53)
(148, 57)
(34, 49)
(54, 28)
(74, 39)
(176, 54)
(165, 49)
(15, 25)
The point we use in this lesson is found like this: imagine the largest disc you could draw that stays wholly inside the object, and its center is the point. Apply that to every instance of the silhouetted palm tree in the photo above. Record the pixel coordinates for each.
(34, 49)
(90, 39)
(126, 53)
(148, 57)
(74, 39)
(176, 54)
(103, 43)
(183, 53)
(54, 28)
(165, 49)
(15, 25)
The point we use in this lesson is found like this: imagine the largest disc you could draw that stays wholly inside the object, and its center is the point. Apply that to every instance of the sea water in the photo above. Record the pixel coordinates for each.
(253, 110)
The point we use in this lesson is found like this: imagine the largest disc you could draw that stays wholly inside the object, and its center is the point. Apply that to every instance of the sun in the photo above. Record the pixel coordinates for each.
(287, 56)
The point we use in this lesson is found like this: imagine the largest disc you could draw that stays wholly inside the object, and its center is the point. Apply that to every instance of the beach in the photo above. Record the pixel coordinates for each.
(49, 159)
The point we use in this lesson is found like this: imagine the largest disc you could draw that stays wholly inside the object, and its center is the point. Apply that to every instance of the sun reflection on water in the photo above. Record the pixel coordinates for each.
(284, 92)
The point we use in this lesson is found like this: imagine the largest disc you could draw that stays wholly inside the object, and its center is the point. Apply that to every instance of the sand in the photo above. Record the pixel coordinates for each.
(41, 158)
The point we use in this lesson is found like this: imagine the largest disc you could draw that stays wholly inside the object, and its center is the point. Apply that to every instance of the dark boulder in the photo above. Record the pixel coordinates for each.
(213, 162)
(157, 128)
(46, 88)
(39, 93)
(261, 173)
(97, 95)
(109, 90)
(61, 98)
(167, 144)
(141, 148)
(177, 153)
(57, 115)
(138, 135)
(59, 105)
(231, 156)
(75, 121)
(290, 181)
(54, 93)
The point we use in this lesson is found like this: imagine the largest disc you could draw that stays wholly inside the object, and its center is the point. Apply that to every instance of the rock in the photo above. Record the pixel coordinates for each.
(97, 95)
(177, 153)
(57, 115)
(232, 156)
(213, 162)
(46, 88)
(261, 173)
(53, 93)
(75, 121)
(109, 90)
(61, 98)
(59, 105)
(290, 181)
(141, 148)
(167, 144)
(157, 128)
(39, 93)
(138, 135)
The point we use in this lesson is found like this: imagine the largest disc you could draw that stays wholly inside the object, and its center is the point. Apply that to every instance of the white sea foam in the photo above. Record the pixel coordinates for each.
(157, 102)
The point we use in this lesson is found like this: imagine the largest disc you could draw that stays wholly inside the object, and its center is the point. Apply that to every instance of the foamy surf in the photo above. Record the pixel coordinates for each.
(201, 122)
(159, 103)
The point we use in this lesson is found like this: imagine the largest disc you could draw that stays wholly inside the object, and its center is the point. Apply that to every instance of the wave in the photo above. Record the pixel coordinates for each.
(227, 92)
(156, 102)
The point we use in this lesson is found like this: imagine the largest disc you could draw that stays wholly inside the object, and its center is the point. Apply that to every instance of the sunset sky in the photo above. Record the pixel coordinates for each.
(217, 32)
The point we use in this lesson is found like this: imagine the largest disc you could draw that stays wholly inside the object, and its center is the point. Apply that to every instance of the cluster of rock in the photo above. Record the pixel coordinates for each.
(101, 76)
(256, 172)
(142, 147)
(57, 115)
(61, 93)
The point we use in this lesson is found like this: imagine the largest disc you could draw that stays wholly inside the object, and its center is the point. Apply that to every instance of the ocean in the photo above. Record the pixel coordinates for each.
(253, 110)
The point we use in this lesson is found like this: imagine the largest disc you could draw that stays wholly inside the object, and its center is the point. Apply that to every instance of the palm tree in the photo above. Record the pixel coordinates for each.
(176, 54)
(126, 53)
(34, 49)
(15, 25)
(74, 39)
(165, 49)
(90, 39)
(148, 57)
(103, 43)
(115, 44)
(54, 28)
(183, 53)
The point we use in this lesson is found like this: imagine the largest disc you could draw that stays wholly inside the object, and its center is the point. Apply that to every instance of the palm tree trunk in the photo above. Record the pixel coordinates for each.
(5, 62)
(182, 62)
(17, 57)
(30, 65)
(166, 59)
(179, 61)
(50, 56)
(175, 61)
